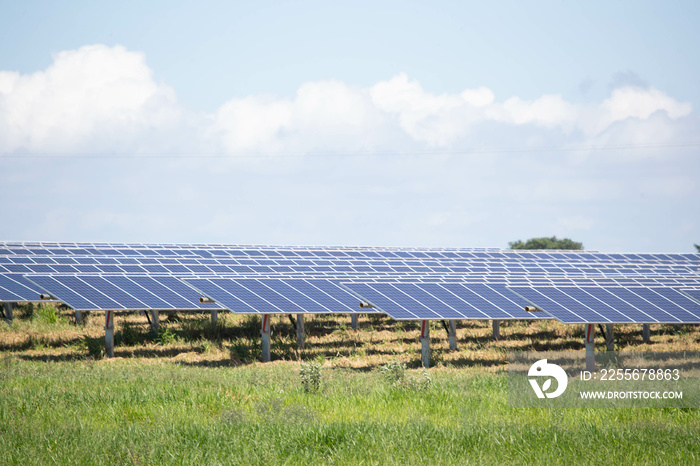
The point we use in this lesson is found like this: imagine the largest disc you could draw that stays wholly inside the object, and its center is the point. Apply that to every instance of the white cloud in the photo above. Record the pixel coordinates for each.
(327, 115)
(635, 102)
(87, 95)
(104, 99)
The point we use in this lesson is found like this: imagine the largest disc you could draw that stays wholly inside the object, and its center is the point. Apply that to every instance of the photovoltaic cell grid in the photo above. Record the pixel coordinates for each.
(370, 268)
(421, 301)
(14, 287)
(140, 292)
(135, 265)
(596, 304)
(275, 296)
(213, 250)
(692, 293)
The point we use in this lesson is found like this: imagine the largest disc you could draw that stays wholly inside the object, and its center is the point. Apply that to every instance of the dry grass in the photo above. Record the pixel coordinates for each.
(191, 338)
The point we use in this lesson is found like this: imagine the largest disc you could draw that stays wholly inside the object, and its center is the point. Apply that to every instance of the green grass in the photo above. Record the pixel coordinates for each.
(153, 412)
(194, 393)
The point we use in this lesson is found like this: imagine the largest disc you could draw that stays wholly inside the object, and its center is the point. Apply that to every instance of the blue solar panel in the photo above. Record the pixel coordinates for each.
(275, 296)
(16, 288)
(417, 300)
(368, 264)
(612, 304)
(90, 292)
(693, 293)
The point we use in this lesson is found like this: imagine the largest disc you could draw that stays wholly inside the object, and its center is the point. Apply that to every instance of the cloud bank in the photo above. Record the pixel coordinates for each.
(105, 99)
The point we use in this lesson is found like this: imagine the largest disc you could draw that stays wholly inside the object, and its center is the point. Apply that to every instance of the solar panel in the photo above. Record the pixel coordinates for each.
(492, 267)
(693, 293)
(15, 288)
(209, 250)
(275, 296)
(634, 304)
(92, 292)
(423, 301)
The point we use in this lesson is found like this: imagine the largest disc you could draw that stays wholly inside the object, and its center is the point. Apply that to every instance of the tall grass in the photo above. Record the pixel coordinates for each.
(136, 412)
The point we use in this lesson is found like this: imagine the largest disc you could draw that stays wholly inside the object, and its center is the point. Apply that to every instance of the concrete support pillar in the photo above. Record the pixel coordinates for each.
(214, 316)
(496, 324)
(8, 312)
(155, 324)
(646, 333)
(78, 316)
(609, 337)
(425, 343)
(590, 347)
(452, 334)
(109, 334)
(353, 321)
(300, 331)
(265, 333)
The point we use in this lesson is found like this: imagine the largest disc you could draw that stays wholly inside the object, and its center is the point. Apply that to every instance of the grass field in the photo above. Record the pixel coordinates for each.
(194, 393)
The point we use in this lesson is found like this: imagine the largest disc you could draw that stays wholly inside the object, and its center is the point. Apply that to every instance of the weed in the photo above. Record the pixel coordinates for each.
(165, 336)
(46, 313)
(241, 351)
(419, 382)
(394, 372)
(37, 342)
(206, 346)
(94, 346)
(128, 334)
(310, 373)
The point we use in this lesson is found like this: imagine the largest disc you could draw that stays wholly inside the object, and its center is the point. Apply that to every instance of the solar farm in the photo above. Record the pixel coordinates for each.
(417, 373)
(406, 284)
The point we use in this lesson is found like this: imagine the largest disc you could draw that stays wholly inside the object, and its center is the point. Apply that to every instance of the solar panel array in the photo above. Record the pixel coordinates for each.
(406, 283)
(606, 304)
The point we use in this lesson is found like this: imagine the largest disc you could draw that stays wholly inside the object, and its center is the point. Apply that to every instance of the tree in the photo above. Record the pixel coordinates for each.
(697, 246)
(546, 243)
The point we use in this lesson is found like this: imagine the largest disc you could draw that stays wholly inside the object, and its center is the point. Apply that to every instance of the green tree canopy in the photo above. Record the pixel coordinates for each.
(546, 243)
(697, 246)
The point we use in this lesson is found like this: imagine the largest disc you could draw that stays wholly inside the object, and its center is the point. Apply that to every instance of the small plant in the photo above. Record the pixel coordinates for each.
(241, 351)
(37, 342)
(165, 336)
(420, 382)
(310, 373)
(394, 372)
(129, 334)
(95, 347)
(205, 346)
(46, 313)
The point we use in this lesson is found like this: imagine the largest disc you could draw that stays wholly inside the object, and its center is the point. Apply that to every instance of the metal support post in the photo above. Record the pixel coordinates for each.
(8, 312)
(609, 337)
(646, 333)
(78, 316)
(425, 343)
(265, 333)
(155, 324)
(300, 331)
(214, 316)
(353, 321)
(109, 334)
(496, 324)
(452, 334)
(590, 347)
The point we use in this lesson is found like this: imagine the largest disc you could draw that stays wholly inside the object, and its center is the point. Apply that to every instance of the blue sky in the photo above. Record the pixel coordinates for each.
(466, 124)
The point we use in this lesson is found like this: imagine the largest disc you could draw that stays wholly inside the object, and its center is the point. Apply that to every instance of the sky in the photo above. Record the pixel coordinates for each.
(390, 123)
